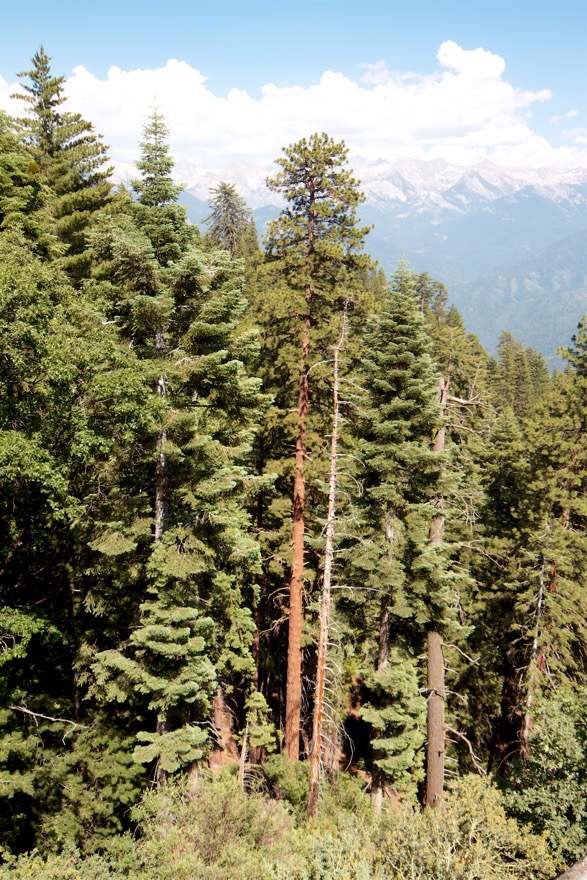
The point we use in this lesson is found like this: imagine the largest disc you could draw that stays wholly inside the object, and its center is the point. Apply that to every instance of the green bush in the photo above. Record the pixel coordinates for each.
(468, 837)
(211, 831)
(67, 866)
(288, 781)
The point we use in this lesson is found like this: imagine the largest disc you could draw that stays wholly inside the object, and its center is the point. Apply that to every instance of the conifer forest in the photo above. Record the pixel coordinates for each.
(293, 574)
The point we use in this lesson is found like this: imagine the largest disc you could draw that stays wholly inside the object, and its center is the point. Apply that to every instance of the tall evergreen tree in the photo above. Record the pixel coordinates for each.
(71, 157)
(181, 308)
(229, 222)
(73, 414)
(313, 245)
(402, 476)
(157, 213)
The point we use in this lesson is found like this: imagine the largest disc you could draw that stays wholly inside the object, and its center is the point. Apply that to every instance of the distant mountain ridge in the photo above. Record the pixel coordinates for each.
(539, 300)
(462, 225)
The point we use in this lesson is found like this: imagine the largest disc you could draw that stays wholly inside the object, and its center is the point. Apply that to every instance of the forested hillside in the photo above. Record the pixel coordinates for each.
(293, 574)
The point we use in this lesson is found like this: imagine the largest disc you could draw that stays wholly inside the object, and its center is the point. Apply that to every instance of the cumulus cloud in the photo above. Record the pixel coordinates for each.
(463, 111)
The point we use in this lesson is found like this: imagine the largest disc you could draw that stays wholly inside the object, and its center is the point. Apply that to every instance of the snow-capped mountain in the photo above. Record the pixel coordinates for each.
(420, 186)
(461, 225)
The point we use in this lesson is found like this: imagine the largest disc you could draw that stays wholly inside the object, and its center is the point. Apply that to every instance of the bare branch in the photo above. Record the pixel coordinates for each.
(474, 758)
(37, 715)
(466, 656)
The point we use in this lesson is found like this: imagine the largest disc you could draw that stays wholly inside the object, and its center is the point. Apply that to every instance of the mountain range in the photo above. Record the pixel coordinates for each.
(510, 244)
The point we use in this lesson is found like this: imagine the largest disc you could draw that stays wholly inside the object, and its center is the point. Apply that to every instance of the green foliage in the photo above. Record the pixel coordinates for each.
(396, 712)
(23, 193)
(69, 865)
(211, 830)
(468, 837)
(521, 376)
(157, 214)
(287, 780)
(155, 385)
(261, 731)
(547, 789)
(71, 159)
(229, 222)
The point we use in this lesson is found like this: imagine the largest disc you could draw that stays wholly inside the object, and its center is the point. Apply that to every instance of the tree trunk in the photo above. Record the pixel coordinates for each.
(161, 465)
(435, 726)
(161, 512)
(532, 671)
(435, 657)
(296, 586)
(377, 775)
(316, 749)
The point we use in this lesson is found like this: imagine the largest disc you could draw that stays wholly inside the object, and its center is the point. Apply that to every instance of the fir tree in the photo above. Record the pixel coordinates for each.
(229, 222)
(71, 158)
(182, 306)
(402, 476)
(159, 216)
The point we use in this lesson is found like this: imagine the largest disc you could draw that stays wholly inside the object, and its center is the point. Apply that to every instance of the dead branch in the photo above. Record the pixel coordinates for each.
(466, 656)
(474, 758)
(37, 715)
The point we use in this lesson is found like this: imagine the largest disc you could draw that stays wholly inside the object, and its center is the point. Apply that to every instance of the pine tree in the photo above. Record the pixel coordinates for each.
(312, 246)
(454, 532)
(23, 193)
(72, 417)
(549, 610)
(157, 213)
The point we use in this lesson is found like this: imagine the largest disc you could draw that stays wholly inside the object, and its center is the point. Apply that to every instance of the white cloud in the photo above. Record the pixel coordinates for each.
(375, 73)
(570, 114)
(476, 64)
(578, 135)
(465, 111)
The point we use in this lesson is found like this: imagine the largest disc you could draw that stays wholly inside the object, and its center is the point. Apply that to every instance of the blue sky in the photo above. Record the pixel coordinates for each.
(228, 45)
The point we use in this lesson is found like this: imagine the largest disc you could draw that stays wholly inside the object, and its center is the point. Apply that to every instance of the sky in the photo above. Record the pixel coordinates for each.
(465, 80)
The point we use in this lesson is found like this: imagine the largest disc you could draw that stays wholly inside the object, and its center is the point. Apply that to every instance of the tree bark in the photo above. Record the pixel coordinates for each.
(161, 512)
(316, 749)
(161, 465)
(293, 697)
(435, 725)
(296, 586)
(435, 657)
(532, 671)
